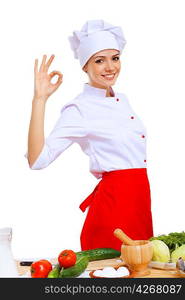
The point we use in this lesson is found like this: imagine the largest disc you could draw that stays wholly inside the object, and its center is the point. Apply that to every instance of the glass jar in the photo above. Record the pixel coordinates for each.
(7, 263)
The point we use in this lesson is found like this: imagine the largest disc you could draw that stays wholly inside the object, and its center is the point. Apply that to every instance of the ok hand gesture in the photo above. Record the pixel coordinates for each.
(43, 87)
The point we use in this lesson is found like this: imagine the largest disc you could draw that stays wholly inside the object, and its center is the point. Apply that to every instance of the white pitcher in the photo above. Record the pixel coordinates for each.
(7, 263)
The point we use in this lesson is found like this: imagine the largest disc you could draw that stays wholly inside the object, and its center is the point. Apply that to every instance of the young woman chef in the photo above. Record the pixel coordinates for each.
(108, 131)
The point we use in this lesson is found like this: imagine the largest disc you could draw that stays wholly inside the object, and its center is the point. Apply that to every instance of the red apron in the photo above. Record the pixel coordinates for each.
(122, 200)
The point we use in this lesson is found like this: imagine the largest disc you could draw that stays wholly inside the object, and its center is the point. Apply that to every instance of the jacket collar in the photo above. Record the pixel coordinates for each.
(94, 91)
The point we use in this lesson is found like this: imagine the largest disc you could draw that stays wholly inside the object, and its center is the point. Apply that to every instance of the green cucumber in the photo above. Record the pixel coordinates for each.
(98, 253)
(54, 273)
(75, 270)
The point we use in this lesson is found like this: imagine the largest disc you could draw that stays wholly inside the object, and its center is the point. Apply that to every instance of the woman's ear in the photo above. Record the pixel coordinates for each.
(85, 68)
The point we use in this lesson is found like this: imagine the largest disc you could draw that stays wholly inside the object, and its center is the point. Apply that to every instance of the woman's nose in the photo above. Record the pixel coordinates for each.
(109, 66)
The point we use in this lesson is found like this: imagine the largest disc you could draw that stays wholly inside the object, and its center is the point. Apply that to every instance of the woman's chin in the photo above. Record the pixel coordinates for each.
(109, 83)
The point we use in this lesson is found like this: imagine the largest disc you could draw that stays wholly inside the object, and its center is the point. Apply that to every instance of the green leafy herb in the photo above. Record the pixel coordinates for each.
(173, 240)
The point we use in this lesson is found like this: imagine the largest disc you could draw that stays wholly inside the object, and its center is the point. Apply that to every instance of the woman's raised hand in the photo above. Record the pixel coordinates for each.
(43, 87)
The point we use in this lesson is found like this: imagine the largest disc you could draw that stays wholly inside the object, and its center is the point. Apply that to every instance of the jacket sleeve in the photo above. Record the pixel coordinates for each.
(68, 129)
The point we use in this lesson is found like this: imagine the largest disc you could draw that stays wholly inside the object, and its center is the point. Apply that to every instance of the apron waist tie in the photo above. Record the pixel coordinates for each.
(89, 199)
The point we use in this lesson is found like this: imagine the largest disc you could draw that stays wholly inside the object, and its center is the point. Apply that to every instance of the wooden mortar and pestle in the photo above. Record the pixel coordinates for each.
(135, 253)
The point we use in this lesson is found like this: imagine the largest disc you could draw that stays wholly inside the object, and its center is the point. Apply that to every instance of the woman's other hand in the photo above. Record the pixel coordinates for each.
(43, 87)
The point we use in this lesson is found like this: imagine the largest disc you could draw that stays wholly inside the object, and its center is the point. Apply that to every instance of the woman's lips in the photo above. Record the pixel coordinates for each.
(109, 76)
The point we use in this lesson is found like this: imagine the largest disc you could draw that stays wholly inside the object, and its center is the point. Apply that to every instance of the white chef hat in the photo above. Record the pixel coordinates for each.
(96, 35)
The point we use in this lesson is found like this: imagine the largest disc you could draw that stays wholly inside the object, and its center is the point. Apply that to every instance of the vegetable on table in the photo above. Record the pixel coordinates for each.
(54, 273)
(40, 268)
(76, 270)
(67, 258)
(179, 252)
(173, 240)
(63, 268)
(161, 251)
(99, 253)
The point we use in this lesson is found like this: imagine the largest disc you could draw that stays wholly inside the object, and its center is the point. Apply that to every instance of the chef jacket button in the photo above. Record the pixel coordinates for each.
(132, 117)
(117, 99)
(144, 160)
(143, 136)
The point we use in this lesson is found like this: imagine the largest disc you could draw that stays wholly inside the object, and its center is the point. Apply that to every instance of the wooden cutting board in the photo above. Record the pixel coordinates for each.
(113, 262)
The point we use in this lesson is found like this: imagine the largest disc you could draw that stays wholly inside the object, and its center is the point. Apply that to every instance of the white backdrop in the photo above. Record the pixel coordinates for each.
(42, 206)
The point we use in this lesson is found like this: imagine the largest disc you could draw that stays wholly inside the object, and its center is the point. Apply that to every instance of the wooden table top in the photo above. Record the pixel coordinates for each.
(114, 262)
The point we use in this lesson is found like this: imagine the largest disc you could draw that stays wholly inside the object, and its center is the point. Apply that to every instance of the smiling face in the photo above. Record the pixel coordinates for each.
(103, 68)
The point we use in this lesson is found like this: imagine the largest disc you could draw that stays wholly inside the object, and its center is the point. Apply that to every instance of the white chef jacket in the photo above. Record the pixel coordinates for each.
(106, 128)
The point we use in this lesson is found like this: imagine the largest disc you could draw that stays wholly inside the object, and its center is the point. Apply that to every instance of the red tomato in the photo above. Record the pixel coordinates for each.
(67, 258)
(40, 268)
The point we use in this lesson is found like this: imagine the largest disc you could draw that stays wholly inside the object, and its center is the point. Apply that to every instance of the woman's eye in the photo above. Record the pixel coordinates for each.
(98, 61)
(101, 60)
(116, 58)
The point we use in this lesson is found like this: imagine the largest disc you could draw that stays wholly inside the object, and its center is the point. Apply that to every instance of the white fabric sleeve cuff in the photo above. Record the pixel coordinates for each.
(42, 160)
